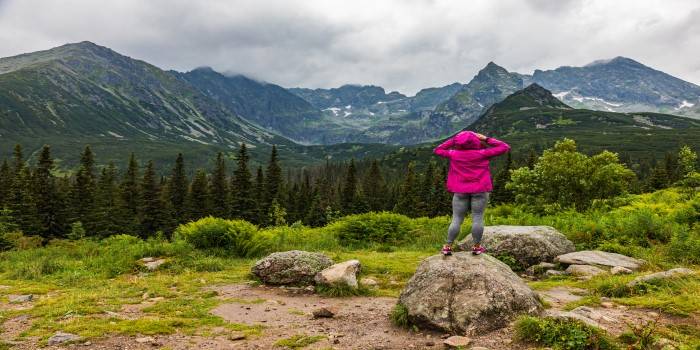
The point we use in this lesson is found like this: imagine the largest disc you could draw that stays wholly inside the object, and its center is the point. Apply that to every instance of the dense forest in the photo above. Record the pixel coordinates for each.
(104, 200)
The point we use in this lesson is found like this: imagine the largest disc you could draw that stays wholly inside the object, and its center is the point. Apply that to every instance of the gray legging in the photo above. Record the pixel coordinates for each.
(461, 203)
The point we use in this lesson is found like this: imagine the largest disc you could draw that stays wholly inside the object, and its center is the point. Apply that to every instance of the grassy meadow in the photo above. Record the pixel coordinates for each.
(80, 285)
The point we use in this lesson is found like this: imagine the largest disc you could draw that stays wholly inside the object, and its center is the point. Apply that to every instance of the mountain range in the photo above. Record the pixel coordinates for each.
(84, 93)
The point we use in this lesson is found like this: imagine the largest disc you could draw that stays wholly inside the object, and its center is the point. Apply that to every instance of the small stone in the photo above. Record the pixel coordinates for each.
(619, 270)
(584, 270)
(429, 343)
(145, 296)
(61, 338)
(154, 264)
(368, 282)
(550, 273)
(238, 336)
(148, 259)
(145, 340)
(324, 312)
(457, 341)
(478, 348)
(310, 289)
(653, 314)
(18, 299)
(87, 343)
(607, 304)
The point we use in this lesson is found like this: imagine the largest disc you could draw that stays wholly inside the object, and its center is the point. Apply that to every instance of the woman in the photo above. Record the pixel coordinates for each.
(469, 178)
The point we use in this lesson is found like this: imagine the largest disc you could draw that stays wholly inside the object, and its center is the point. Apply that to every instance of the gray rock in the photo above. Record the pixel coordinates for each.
(584, 270)
(529, 245)
(619, 270)
(584, 314)
(466, 293)
(62, 338)
(341, 274)
(597, 257)
(292, 267)
(18, 299)
(368, 282)
(539, 269)
(152, 264)
(661, 275)
(550, 273)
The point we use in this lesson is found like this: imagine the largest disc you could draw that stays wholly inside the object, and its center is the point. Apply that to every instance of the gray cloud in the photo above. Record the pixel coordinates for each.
(401, 45)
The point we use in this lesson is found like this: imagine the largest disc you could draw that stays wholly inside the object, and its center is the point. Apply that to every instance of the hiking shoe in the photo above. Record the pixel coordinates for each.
(446, 250)
(479, 250)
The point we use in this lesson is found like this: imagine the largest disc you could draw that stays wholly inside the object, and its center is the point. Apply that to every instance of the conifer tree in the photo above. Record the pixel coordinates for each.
(374, 188)
(177, 191)
(5, 184)
(150, 208)
(219, 189)
(107, 202)
(348, 195)
(130, 198)
(259, 194)
(83, 194)
(21, 202)
(500, 193)
(273, 179)
(426, 191)
(408, 196)
(671, 167)
(49, 204)
(243, 203)
(199, 199)
(658, 178)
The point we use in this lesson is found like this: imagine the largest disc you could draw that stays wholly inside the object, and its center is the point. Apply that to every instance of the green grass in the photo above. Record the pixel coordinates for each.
(561, 334)
(299, 341)
(399, 316)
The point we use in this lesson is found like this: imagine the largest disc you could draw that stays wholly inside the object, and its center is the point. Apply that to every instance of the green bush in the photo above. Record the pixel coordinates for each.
(233, 237)
(399, 316)
(685, 246)
(561, 334)
(374, 228)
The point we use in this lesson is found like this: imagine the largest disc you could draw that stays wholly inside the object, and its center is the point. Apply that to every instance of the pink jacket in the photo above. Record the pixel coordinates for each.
(469, 162)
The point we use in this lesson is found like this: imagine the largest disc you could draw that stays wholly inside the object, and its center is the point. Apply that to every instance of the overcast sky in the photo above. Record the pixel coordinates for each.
(401, 45)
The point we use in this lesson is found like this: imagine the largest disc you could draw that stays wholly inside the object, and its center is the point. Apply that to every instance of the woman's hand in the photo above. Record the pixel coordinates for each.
(480, 136)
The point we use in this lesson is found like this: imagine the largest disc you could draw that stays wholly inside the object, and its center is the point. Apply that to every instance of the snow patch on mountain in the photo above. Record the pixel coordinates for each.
(685, 104)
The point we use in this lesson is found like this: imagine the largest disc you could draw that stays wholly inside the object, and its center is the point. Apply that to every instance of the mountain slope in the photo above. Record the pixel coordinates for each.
(267, 105)
(620, 84)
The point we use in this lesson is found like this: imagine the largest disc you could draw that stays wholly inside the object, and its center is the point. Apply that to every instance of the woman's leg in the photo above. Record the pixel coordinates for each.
(478, 206)
(460, 206)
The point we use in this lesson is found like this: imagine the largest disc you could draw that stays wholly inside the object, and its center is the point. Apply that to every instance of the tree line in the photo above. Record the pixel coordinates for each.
(102, 201)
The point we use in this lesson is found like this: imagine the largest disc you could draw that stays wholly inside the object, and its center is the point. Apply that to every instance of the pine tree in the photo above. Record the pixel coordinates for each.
(531, 159)
(259, 194)
(408, 194)
(130, 198)
(21, 202)
(671, 167)
(219, 189)
(49, 204)
(374, 188)
(658, 178)
(349, 201)
(243, 203)
(273, 180)
(150, 208)
(443, 199)
(198, 199)
(177, 191)
(83, 194)
(500, 193)
(5, 184)
(426, 191)
(107, 202)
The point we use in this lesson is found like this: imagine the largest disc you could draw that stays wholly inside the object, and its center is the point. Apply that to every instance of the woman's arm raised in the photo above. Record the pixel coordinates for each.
(443, 150)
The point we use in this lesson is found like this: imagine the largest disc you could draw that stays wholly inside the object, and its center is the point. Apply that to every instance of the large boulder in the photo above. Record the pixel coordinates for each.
(342, 274)
(600, 258)
(529, 245)
(466, 293)
(294, 267)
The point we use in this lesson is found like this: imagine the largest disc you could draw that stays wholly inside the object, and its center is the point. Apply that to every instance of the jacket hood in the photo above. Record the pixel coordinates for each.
(467, 140)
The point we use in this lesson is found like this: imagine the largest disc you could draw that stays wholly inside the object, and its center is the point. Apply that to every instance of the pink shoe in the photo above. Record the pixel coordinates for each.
(478, 251)
(446, 250)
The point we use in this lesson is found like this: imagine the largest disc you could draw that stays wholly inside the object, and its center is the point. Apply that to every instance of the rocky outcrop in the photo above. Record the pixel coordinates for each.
(660, 275)
(464, 293)
(528, 245)
(342, 274)
(600, 258)
(293, 267)
(584, 270)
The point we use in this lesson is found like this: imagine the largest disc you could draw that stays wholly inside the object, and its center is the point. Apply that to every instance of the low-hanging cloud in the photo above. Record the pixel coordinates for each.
(398, 44)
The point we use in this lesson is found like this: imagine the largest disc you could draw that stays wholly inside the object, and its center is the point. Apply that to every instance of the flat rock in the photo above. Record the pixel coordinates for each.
(18, 299)
(601, 258)
(145, 340)
(457, 341)
(291, 267)
(61, 338)
(619, 270)
(465, 294)
(677, 272)
(341, 274)
(550, 273)
(529, 245)
(539, 269)
(584, 270)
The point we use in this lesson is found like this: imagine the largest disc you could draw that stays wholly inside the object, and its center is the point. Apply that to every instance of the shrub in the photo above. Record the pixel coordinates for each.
(685, 245)
(299, 341)
(378, 228)
(235, 237)
(561, 334)
(77, 231)
(399, 316)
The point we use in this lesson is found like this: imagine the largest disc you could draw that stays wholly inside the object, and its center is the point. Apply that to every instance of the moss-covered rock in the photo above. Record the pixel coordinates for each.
(294, 267)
